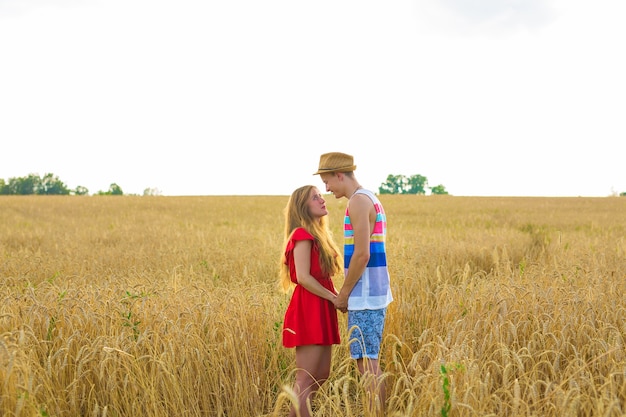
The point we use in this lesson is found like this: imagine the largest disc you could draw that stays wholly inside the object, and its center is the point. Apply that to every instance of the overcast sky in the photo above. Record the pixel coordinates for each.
(203, 97)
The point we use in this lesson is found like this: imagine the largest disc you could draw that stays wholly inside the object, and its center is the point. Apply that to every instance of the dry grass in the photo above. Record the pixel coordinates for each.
(168, 306)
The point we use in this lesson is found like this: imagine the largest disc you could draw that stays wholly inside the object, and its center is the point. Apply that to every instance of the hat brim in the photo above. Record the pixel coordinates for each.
(347, 168)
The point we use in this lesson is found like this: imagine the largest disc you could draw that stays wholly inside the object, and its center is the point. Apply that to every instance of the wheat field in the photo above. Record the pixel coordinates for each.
(169, 306)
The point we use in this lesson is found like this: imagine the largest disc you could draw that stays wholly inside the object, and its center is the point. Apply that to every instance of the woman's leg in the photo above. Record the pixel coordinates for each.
(313, 368)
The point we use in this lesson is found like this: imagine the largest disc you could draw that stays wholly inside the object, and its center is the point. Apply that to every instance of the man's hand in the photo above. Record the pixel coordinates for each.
(341, 303)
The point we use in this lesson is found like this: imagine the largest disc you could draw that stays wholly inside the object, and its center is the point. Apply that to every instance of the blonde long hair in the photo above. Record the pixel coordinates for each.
(297, 215)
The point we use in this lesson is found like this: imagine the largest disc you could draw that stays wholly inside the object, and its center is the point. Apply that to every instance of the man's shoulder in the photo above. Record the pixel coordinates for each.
(367, 197)
(360, 201)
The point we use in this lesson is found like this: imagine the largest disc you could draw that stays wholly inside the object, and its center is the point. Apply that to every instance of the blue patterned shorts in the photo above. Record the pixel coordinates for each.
(365, 329)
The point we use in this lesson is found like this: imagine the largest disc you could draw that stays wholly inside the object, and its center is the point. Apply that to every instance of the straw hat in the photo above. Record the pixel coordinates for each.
(336, 162)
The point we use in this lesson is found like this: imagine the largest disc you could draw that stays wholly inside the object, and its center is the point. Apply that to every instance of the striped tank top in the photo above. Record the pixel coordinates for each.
(373, 290)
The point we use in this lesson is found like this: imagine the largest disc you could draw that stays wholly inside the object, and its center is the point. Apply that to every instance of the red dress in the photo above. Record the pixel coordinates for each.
(309, 319)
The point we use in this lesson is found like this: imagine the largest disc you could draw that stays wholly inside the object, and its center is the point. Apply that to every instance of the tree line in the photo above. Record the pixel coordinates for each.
(49, 184)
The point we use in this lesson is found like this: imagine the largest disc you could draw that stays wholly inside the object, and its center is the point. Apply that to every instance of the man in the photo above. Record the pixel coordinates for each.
(366, 291)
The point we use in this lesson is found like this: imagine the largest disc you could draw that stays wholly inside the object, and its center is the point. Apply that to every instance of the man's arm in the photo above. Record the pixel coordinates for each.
(359, 208)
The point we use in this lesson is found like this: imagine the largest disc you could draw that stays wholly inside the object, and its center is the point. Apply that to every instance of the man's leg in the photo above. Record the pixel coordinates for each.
(366, 328)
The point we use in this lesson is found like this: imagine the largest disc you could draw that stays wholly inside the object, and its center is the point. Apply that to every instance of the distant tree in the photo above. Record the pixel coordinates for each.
(24, 185)
(417, 184)
(151, 192)
(80, 190)
(51, 185)
(439, 190)
(4, 190)
(395, 184)
(114, 189)
(623, 194)
(400, 184)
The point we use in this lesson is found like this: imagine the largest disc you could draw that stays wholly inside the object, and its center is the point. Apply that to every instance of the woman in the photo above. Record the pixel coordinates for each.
(309, 261)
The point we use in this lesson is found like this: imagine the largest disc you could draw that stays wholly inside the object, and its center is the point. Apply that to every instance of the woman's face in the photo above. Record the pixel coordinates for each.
(317, 204)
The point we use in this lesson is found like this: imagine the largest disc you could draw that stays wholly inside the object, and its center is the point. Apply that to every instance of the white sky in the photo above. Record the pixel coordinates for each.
(200, 97)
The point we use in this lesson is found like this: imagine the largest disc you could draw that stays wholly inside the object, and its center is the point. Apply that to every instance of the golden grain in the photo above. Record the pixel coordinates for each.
(161, 306)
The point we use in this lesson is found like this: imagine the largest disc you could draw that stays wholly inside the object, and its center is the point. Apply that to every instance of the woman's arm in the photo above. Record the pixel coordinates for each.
(302, 259)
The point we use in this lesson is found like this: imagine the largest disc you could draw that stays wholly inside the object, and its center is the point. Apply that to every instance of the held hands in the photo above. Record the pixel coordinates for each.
(341, 303)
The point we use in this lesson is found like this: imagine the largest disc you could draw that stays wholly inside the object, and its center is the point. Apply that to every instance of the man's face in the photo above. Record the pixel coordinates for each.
(332, 183)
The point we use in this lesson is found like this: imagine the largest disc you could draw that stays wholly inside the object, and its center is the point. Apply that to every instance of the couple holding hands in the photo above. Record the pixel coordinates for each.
(309, 262)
